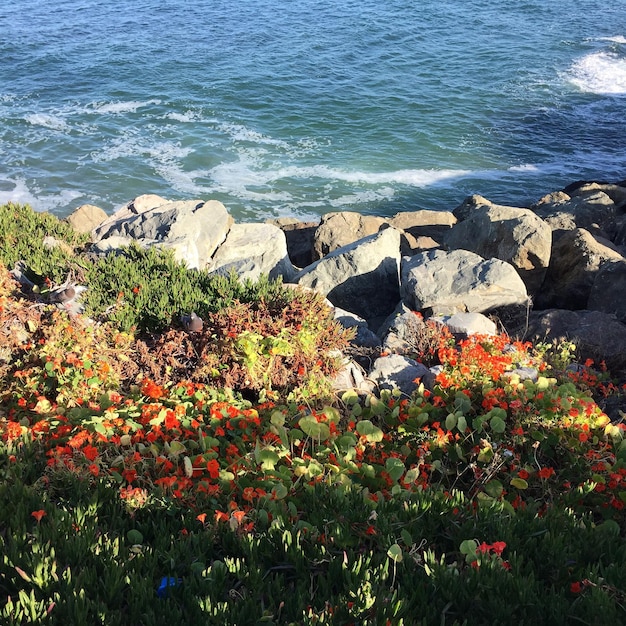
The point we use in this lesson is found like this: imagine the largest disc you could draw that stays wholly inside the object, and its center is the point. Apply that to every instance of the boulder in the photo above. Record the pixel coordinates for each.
(397, 372)
(462, 325)
(86, 217)
(193, 229)
(361, 277)
(617, 193)
(340, 229)
(422, 230)
(364, 337)
(251, 250)
(576, 258)
(510, 234)
(599, 336)
(459, 281)
(592, 210)
(608, 293)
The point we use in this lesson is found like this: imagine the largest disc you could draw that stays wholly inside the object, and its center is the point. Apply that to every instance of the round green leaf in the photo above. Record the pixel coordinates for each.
(395, 553)
(519, 483)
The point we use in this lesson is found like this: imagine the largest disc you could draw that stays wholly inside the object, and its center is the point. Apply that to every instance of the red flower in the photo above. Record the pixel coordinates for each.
(545, 472)
(91, 452)
(523, 474)
(213, 468)
(576, 587)
(38, 514)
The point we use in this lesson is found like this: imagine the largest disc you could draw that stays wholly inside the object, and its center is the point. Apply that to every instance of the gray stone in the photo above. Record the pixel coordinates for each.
(351, 376)
(251, 250)
(510, 234)
(193, 229)
(599, 336)
(466, 324)
(397, 372)
(576, 258)
(341, 229)
(608, 293)
(364, 336)
(592, 210)
(299, 236)
(459, 281)
(361, 277)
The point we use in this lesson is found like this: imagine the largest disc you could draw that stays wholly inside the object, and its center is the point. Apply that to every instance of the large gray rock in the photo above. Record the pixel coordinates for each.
(576, 258)
(361, 277)
(340, 229)
(510, 234)
(608, 293)
(299, 236)
(251, 250)
(592, 210)
(599, 336)
(459, 281)
(397, 372)
(193, 229)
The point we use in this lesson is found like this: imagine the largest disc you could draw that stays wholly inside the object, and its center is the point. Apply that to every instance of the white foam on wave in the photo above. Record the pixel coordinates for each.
(53, 122)
(601, 73)
(21, 194)
(121, 107)
(616, 39)
(130, 144)
(187, 116)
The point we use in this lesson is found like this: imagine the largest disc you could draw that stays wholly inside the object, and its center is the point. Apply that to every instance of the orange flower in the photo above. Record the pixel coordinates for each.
(545, 472)
(201, 517)
(38, 514)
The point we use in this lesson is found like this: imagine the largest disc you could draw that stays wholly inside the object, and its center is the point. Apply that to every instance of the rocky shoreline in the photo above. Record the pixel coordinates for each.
(552, 271)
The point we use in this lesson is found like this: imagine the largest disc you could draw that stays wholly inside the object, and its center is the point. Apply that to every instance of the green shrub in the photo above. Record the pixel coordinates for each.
(22, 234)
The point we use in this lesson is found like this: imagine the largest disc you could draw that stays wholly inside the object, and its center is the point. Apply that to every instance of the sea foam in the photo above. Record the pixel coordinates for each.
(600, 73)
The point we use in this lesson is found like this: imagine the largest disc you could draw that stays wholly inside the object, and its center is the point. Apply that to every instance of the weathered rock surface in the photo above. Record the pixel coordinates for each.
(361, 277)
(397, 372)
(510, 234)
(598, 335)
(193, 229)
(592, 210)
(422, 230)
(251, 250)
(466, 324)
(459, 281)
(608, 293)
(299, 236)
(340, 229)
(576, 258)
(86, 217)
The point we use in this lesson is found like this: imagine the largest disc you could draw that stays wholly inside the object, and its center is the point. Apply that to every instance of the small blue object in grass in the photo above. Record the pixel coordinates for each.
(165, 583)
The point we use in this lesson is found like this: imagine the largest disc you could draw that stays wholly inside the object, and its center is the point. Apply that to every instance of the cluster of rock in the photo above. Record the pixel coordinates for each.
(551, 271)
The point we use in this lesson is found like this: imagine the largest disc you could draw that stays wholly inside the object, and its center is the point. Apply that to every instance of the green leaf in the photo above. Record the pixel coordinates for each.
(395, 468)
(469, 547)
(406, 537)
(412, 475)
(395, 553)
(462, 403)
(461, 424)
(366, 429)
(134, 536)
(498, 425)
(451, 421)
(494, 488)
(277, 418)
(519, 483)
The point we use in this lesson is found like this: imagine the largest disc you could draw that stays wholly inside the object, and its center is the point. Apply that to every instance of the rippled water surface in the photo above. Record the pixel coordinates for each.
(294, 107)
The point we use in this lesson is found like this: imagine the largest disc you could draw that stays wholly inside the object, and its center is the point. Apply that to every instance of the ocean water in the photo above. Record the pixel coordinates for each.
(298, 108)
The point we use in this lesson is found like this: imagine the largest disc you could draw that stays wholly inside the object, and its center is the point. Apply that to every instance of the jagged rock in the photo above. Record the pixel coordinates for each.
(397, 372)
(592, 210)
(251, 250)
(617, 193)
(576, 258)
(422, 230)
(193, 229)
(459, 281)
(608, 293)
(86, 217)
(361, 277)
(351, 376)
(599, 336)
(340, 229)
(510, 234)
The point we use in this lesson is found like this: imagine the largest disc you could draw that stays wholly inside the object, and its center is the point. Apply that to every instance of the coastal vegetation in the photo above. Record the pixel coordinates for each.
(150, 475)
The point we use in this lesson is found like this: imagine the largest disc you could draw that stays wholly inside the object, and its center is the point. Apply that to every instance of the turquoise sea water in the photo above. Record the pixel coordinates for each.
(297, 108)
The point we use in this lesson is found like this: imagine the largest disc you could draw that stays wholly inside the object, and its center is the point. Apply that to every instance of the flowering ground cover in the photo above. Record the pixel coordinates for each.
(483, 498)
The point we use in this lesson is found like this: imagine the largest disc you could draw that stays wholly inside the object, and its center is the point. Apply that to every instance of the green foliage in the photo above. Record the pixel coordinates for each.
(148, 289)
(22, 234)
